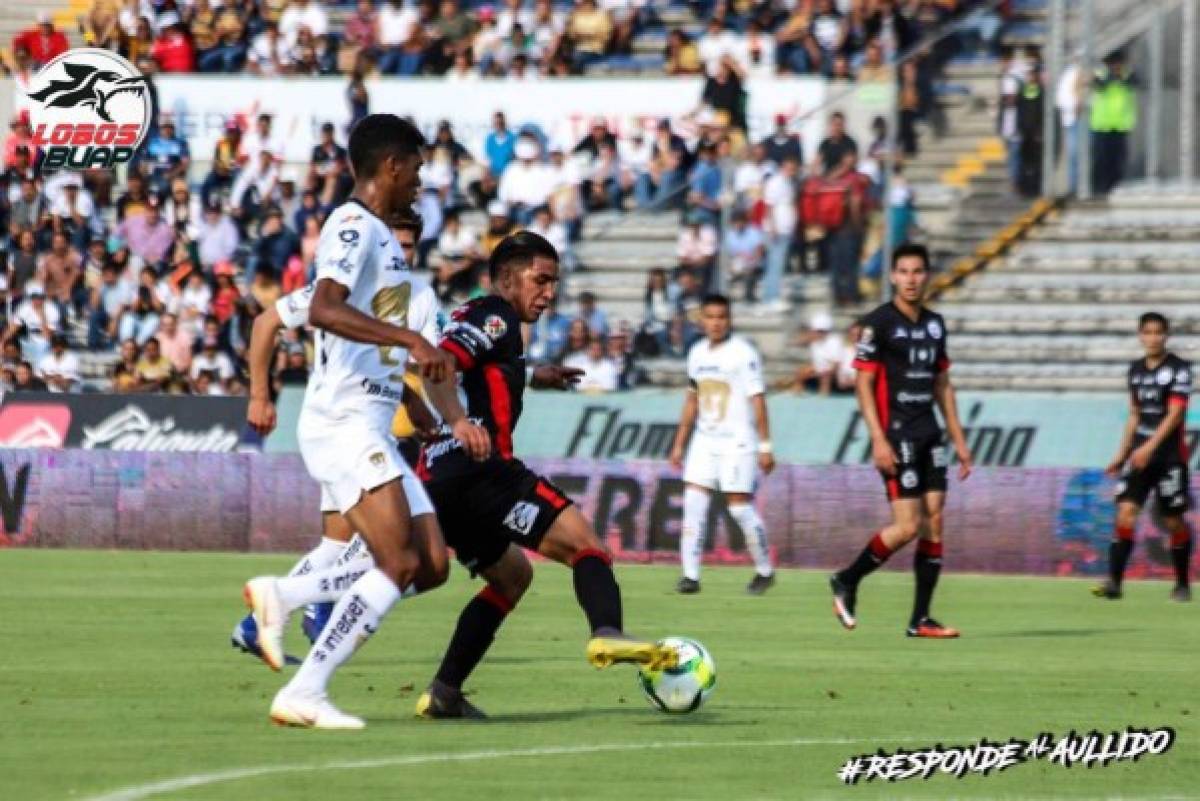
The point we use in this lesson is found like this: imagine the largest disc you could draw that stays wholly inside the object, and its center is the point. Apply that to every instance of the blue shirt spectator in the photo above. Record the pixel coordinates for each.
(596, 320)
(166, 154)
(549, 341)
(499, 145)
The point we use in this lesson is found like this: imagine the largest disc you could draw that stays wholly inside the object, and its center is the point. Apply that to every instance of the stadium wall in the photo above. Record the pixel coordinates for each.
(1038, 521)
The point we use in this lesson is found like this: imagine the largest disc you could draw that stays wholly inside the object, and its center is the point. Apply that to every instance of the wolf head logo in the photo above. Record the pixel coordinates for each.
(87, 87)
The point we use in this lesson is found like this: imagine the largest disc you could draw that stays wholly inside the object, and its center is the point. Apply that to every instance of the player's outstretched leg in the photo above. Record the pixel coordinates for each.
(927, 567)
(477, 625)
(696, 501)
(741, 508)
(1119, 551)
(906, 519)
(572, 542)
(1181, 557)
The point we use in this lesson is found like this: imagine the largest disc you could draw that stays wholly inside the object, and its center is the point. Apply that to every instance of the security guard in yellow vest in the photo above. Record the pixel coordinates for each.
(1114, 114)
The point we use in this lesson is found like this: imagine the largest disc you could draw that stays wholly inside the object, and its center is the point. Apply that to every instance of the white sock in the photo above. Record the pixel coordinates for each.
(319, 558)
(357, 549)
(321, 586)
(354, 619)
(691, 539)
(756, 536)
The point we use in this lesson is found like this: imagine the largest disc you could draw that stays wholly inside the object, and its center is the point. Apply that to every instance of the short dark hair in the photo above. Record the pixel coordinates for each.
(376, 136)
(906, 249)
(520, 248)
(409, 222)
(715, 299)
(1153, 317)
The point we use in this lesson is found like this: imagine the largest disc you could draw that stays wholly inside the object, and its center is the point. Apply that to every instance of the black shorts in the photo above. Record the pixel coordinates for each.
(921, 465)
(1167, 480)
(500, 502)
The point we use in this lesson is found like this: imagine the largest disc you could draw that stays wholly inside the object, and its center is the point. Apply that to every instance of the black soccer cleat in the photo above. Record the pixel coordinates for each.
(1181, 593)
(844, 599)
(760, 584)
(687, 586)
(1108, 589)
(440, 702)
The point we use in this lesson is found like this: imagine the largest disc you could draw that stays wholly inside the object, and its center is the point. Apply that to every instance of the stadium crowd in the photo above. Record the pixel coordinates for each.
(168, 268)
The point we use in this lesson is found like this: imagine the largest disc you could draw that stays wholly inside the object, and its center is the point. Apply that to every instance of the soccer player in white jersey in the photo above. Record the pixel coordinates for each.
(360, 308)
(727, 407)
(339, 547)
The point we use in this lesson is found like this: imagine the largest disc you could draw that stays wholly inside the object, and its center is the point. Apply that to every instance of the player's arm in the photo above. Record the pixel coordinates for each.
(554, 376)
(766, 458)
(943, 394)
(443, 394)
(1176, 410)
(687, 421)
(261, 412)
(864, 389)
(1126, 446)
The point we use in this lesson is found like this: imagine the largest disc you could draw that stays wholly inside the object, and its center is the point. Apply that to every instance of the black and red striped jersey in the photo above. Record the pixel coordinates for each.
(1153, 391)
(906, 356)
(484, 336)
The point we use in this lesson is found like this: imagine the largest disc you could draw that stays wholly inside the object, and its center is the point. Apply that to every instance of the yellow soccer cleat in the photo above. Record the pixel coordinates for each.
(608, 649)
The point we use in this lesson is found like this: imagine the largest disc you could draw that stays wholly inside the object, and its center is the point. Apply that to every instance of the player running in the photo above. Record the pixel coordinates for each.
(902, 372)
(489, 511)
(339, 546)
(359, 305)
(727, 407)
(1153, 456)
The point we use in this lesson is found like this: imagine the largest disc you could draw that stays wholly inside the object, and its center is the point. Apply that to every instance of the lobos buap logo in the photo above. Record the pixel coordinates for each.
(91, 109)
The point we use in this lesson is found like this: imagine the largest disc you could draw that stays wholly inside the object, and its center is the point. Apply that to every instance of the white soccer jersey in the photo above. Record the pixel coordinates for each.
(725, 377)
(358, 251)
(293, 307)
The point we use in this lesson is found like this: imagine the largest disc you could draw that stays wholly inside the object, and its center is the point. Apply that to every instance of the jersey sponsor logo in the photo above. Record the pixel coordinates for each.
(914, 397)
(379, 390)
(395, 264)
(917, 334)
(935, 329)
(522, 517)
(348, 235)
(494, 327)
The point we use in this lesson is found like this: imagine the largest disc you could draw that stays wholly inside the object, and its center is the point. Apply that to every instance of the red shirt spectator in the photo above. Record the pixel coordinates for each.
(20, 135)
(172, 50)
(42, 42)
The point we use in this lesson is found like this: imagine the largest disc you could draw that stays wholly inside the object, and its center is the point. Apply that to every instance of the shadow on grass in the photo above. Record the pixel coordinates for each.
(1057, 633)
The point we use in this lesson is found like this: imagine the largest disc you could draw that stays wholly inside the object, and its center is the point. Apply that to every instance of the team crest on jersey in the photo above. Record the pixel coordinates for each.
(349, 236)
(934, 329)
(900, 333)
(521, 517)
(378, 460)
(908, 479)
(494, 327)
(1164, 375)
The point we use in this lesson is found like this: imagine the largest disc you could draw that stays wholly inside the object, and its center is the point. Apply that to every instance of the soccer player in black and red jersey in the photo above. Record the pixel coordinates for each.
(1153, 456)
(902, 372)
(490, 510)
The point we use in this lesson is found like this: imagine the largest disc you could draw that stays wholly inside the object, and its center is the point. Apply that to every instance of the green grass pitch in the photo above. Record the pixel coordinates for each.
(116, 674)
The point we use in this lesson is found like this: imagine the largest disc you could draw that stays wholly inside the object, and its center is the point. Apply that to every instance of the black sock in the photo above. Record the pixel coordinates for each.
(1118, 554)
(874, 555)
(1181, 556)
(596, 590)
(476, 629)
(927, 565)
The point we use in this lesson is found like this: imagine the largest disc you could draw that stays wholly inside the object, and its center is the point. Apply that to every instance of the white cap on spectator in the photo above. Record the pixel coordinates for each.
(821, 321)
(289, 175)
(33, 288)
(497, 208)
(167, 19)
(706, 117)
(44, 18)
(526, 148)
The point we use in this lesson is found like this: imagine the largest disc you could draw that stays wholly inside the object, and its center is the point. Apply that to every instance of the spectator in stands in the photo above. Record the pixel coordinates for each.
(843, 245)
(135, 200)
(619, 350)
(360, 36)
(669, 161)
(696, 247)
(357, 98)
(100, 28)
(723, 93)
(782, 143)
(33, 323)
(154, 370)
(1069, 101)
(124, 372)
(25, 380)
(909, 101)
(1013, 72)
(294, 370)
(301, 14)
(211, 358)
(107, 303)
(269, 52)
(325, 154)
(874, 69)
(1030, 115)
(256, 187)
(172, 50)
(704, 197)
(149, 236)
(166, 154)
(659, 308)
(600, 373)
(746, 249)
(194, 303)
(457, 257)
(22, 262)
(590, 28)
(545, 226)
(597, 135)
(76, 211)
(566, 201)
(140, 320)
(681, 56)
(779, 226)
(832, 149)
(601, 188)
(224, 162)
(226, 295)
(20, 135)
(60, 272)
(229, 53)
(796, 49)
(27, 210)
(549, 335)
(524, 185)
(216, 236)
(401, 39)
(175, 343)
(590, 313)
(42, 42)
(830, 365)
(499, 145)
(60, 367)
(1114, 115)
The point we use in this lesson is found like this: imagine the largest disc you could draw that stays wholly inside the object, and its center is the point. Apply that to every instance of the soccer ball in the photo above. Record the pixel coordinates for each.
(685, 687)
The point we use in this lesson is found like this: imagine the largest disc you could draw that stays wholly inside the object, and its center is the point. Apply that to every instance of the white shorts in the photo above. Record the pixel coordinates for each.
(353, 455)
(721, 464)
